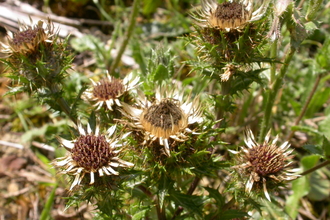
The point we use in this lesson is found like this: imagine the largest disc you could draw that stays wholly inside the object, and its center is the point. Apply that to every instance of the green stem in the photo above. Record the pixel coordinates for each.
(225, 102)
(127, 37)
(66, 109)
(323, 164)
(225, 91)
(160, 210)
(47, 209)
(191, 189)
(303, 111)
(273, 55)
(272, 93)
(62, 102)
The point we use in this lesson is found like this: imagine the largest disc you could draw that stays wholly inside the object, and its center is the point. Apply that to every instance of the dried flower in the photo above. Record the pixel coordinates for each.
(264, 164)
(168, 117)
(37, 58)
(29, 38)
(229, 36)
(280, 7)
(229, 70)
(109, 90)
(228, 16)
(91, 153)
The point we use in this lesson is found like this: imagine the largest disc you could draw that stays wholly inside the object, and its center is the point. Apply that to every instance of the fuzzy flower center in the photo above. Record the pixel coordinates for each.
(24, 41)
(228, 15)
(266, 159)
(230, 11)
(106, 89)
(164, 115)
(91, 152)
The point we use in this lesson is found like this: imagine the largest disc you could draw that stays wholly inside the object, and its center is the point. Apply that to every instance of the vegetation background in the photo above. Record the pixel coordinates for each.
(158, 50)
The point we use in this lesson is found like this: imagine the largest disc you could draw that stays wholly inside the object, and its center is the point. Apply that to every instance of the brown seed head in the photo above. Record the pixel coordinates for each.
(91, 152)
(107, 89)
(29, 40)
(266, 159)
(163, 119)
(229, 15)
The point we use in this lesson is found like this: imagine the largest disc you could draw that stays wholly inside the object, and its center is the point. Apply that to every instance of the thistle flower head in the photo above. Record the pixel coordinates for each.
(167, 118)
(229, 35)
(91, 153)
(265, 164)
(28, 39)
(109, 90)
(37, 58)
(228, 16)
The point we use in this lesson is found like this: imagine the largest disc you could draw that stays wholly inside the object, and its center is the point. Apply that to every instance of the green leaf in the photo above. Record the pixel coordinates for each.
(306, 129)
(313, 7)
(326, 147)
(300, 186)
(161, 73)
(273, 210)
(214, 193)
(320, 186)
(309, 161)
(150, 6)
(165, 184)
(46, 212)
(92, 121)
(233, 214)
(298, 30)
(314, 149)
(191, 203)
(322, 57)
(141, 214)
(318, 100)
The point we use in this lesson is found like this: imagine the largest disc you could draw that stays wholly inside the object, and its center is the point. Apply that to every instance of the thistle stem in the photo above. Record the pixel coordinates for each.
(272, 93)
(225, 102)
(273, 54)
(225, 91)
(160, 211)
(323, 164)
(127, 36)
(191, 189)
(303, 111)
(62, 102)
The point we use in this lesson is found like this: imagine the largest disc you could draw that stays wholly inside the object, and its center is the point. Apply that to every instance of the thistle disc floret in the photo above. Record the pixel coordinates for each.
(228, 16)
(165, 119)
(28, 39)
(110, 90)
(91, 153)
(265, 164)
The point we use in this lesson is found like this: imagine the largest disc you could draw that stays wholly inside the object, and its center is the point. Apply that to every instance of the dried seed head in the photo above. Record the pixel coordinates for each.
(37, 54)
(107, 89)
(165, 116)
(266, 159)
(229, 15)
(28, 39)
(91, 152)
(264, 164)
(110, 91)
